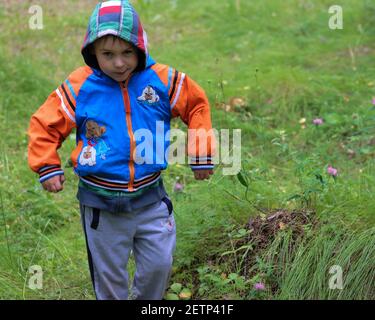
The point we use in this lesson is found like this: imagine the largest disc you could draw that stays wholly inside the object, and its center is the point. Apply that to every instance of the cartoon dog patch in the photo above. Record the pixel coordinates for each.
(88, 156)
(149, 95)
(94, 134)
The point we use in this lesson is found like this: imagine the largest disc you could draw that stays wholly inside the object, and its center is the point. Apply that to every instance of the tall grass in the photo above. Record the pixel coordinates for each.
(303, 270)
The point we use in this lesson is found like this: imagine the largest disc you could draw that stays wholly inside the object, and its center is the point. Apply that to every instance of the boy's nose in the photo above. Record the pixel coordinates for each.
(119, 63)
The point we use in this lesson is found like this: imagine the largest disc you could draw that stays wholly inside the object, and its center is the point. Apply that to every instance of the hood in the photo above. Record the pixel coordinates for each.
(116, 18)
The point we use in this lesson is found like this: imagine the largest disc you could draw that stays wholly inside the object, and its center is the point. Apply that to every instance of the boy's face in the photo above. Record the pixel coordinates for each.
(116, 57)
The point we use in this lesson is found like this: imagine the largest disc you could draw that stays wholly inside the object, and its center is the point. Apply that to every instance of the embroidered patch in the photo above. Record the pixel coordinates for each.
(94, 134)
(149, 95)
(88, 156)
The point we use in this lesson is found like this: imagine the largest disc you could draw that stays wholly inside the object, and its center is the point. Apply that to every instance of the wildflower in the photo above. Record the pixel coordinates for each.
(332, 171)
(318, 121)
(178, 187)
(373, 101)
(259, 286)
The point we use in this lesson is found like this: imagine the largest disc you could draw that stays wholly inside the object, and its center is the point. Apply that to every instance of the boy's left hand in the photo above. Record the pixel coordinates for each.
(203, 174)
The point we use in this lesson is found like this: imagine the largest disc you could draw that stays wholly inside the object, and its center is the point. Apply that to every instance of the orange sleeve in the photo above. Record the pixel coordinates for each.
(51, 124)
(189, 102)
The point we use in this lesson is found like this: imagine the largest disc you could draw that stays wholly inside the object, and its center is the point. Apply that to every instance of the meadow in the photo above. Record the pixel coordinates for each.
(299, 215)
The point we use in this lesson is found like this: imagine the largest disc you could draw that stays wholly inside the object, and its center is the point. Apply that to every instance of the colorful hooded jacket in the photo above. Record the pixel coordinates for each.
(107, 113)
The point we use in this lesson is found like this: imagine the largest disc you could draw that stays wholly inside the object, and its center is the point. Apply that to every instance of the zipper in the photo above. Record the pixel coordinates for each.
(125, 95)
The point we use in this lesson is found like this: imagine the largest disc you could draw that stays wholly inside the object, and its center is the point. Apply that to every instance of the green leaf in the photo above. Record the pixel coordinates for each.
(233, 276)
(241, 233)
(176, 287)
(365, 150)
(185, 294)
(296, 196)
(171, 296)
(320, 178)
(242, 180)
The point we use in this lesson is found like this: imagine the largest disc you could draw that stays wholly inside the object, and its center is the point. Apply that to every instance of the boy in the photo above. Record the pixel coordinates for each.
(123, 203)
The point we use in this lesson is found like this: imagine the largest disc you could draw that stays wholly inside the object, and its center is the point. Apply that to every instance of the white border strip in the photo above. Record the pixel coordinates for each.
(64, 106)
(50, 175)
(111, 4)
(145, 40)
(179, 90)
(107, 32)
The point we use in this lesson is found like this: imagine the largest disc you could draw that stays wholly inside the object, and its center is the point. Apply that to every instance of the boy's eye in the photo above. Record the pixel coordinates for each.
(127, 52)
(108, 54)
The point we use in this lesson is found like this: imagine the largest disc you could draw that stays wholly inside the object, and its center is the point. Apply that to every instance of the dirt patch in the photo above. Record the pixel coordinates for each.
(262, 230)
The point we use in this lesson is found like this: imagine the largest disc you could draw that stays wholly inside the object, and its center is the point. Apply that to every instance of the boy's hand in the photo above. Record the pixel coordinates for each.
(54, 184)
(203, 174)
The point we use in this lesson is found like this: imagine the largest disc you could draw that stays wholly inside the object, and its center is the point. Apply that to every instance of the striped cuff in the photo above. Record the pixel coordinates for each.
(48, 172)
(201, 163)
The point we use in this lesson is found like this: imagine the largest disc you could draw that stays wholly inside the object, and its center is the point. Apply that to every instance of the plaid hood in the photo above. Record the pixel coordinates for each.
(116, 18)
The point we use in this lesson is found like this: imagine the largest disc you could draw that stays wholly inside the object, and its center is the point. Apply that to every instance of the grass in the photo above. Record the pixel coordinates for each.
(309, 267)
(279, 57)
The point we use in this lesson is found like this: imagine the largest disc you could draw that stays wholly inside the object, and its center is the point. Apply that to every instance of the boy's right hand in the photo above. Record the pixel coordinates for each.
(54, 184)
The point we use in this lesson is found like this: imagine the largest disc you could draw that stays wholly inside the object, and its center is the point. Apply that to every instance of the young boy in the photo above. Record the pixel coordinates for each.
(123, 203)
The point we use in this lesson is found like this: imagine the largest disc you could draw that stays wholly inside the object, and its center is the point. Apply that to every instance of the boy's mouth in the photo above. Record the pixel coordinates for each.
(120, 76)
(121, 73)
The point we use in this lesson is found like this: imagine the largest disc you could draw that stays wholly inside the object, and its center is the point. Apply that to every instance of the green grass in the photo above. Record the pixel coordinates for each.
(302, 271)
(354, 253)
(281, 58)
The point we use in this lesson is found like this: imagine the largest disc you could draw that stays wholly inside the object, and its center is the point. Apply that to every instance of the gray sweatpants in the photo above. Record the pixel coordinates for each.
(150, 232)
